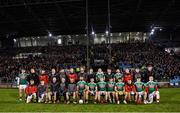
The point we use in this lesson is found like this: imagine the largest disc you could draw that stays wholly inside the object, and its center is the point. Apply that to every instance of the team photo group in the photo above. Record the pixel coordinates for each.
(118, 86)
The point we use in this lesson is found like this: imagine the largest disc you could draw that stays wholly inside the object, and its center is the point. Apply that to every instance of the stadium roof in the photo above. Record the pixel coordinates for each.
(38, 17)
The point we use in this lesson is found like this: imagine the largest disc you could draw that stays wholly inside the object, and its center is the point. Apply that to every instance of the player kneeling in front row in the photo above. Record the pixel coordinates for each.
(54, 87)
(139, 88)
(152, 90)
(101, 90)
(91, 90)
(42, 92)
(129, 92)
(110, 90)
(119, 89)
(31, 91)
(81, 90)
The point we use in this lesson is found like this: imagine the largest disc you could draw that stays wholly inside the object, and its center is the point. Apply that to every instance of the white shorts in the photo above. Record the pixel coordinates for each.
(132, 93)
(29, 97)
(153, 94)
(22, 87)
(141, 93)
(40, 99)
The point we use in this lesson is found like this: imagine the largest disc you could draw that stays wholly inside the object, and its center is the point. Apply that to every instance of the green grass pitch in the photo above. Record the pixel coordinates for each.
(170, 102)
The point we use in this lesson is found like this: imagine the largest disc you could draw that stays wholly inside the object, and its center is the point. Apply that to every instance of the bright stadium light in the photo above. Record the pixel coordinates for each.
(59, 41)
(93, 33)
(152, 31)
(14, 40)
(50, 35)
(107, 32)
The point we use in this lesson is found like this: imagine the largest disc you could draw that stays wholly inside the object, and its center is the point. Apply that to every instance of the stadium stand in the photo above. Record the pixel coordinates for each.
(124, 55)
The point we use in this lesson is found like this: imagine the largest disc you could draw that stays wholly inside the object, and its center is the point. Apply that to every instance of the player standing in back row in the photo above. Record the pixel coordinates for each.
(22, 83)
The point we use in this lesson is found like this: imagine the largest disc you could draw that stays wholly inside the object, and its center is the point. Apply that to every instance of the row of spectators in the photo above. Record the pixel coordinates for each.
(124, 55)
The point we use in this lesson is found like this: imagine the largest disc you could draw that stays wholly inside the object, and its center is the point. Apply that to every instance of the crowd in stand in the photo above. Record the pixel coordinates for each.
(131, 55)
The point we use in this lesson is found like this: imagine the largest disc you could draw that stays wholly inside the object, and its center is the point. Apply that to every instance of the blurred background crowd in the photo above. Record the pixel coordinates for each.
(125, 55)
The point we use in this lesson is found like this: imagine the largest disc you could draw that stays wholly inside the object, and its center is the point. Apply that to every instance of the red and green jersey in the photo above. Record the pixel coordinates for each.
(92, 86)
(120, 86)
(139, 86)
(151, 86)
(99, 75)
(81, 85)
(110, 86)
(101, 86)
(118, 75)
